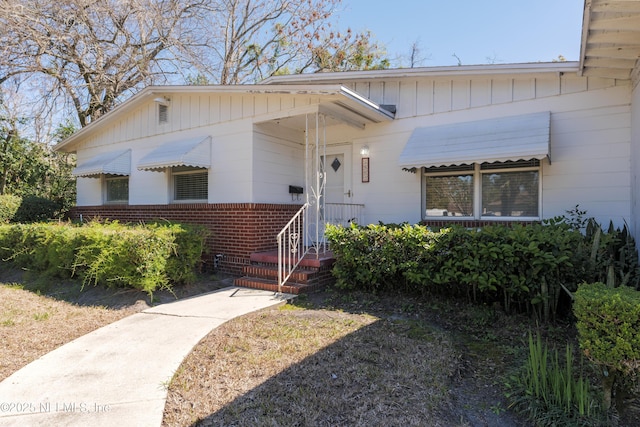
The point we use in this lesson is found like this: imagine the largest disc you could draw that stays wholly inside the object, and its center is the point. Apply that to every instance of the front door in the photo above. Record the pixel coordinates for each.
(337, 187)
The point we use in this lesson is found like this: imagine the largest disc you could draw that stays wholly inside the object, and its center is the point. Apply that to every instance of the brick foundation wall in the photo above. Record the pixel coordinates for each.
(237, 229)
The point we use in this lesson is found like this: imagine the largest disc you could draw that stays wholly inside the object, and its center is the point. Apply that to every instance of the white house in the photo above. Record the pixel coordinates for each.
(470, 144)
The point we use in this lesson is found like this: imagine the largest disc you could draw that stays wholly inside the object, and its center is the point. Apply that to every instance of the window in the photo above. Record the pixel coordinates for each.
(449, 191)
(190, 183)
(501, 189)
(163, 113)
(116, 189)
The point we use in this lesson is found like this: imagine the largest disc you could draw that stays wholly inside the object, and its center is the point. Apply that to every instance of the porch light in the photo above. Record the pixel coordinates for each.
(162, 100)
(364, 151)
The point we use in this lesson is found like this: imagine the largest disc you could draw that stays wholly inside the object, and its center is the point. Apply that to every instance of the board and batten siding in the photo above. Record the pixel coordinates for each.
(590, 143)
(424, 96)
(635, 161)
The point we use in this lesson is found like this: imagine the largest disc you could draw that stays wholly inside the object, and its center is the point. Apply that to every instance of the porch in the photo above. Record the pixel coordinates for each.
(299, 264)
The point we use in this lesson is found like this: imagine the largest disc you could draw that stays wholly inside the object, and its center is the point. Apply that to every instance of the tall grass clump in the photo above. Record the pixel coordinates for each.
(549, 391)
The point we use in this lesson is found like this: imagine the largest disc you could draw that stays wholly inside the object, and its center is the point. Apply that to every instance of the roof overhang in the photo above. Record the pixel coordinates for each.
(111, 163)
(194, 152)
(522, 137)
(334, 98)
(610, 45)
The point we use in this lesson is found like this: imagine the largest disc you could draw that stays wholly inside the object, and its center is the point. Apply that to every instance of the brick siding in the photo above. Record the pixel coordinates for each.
(237, 229)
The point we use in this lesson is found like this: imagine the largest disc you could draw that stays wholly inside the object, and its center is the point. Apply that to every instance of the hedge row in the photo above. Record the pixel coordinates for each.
(524, 267)
(145, 257)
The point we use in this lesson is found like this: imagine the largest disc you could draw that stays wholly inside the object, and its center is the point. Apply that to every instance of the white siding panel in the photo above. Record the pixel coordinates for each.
(408, 92)
(480, 93)
(89, 191)
(461, 93)
(376, 92)
(570, 83)
(524, 89)
(391, 93)
(363, 88)
(225, 108)
(281, 164)
(442, 96)
(547, 87)
(214, 109)
(501, 91)
(635, 162)
(424, 98)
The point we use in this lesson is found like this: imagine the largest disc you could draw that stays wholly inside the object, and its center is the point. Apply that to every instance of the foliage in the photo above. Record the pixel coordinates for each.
(91, 58)
(8, 207)
(548, 390)
(36, 209)
(608, 321)
(524, 268)
(145, 257)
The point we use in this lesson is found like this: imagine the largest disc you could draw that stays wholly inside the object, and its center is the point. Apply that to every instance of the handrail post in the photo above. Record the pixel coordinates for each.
(291, 246)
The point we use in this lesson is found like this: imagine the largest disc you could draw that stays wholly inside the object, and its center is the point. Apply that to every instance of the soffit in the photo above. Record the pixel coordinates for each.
(610, 38)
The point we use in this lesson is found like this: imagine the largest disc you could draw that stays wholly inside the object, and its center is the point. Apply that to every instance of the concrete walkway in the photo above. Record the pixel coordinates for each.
(118, 375)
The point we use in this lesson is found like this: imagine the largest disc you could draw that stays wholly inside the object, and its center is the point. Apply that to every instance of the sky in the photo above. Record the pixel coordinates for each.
(475, 31)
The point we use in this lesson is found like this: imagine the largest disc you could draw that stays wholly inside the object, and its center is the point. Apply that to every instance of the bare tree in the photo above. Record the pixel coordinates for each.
(254, 39)
(92, 54)
(94, 51)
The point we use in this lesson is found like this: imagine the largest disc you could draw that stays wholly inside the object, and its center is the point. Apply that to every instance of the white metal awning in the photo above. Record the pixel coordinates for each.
(495, 140)
(111, 163)
(195, 152)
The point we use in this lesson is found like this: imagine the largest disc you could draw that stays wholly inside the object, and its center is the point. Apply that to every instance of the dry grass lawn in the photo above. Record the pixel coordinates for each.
(32, 325)
(295, 366)
(330, 360)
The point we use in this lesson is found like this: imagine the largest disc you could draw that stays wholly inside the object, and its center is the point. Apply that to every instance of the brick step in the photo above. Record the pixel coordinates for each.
(269, 271)
(272, 285)
(325, 259)
(312, 274)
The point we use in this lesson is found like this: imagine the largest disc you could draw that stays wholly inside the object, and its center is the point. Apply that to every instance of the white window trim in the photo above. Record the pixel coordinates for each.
(477, 194)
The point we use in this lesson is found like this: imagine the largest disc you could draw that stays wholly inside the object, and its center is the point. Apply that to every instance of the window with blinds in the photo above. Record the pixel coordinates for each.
(502, 189)
(190, 184)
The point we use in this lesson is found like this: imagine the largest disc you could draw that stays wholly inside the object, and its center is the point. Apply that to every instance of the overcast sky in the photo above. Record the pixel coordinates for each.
(476, 31)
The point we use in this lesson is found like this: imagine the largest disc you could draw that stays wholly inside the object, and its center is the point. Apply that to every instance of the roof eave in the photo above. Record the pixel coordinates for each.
(586, 17)
(375, 112)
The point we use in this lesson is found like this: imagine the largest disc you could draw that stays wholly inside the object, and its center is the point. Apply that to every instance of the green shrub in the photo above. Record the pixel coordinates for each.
(550, 392)
(35, 209)
(608, 321)
(524, 268)
(145, 257)
(9, 205)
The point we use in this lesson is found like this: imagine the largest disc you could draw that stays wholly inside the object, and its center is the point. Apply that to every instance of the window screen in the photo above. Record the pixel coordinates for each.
(511, 194)
(450, 195)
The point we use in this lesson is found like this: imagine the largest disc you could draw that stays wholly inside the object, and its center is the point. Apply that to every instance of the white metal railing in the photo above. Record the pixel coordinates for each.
(291, 246)
(343, 213)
